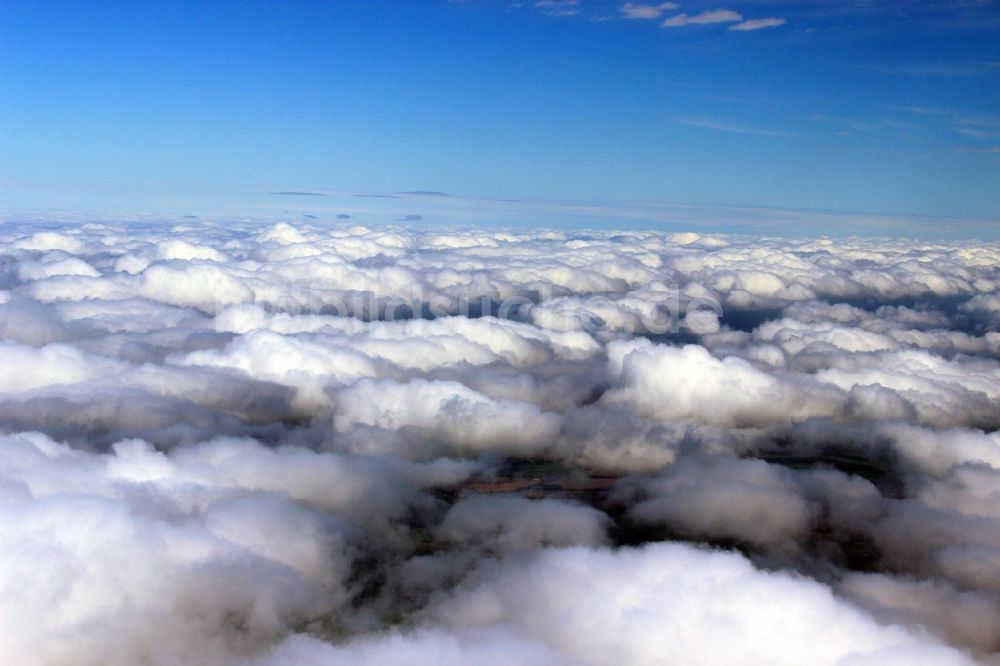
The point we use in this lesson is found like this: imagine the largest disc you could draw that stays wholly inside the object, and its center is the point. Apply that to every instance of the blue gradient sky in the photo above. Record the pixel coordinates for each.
(880, 107)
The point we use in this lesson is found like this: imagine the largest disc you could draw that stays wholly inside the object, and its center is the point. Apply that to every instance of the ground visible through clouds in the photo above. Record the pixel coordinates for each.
(264, 445)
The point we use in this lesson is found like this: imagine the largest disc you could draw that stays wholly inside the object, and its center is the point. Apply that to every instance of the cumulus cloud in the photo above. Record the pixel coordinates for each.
(446, 412)
(690, 384)
(639, 606)
(303, 443)
(741, 499)
(512, 524)
(181, 557)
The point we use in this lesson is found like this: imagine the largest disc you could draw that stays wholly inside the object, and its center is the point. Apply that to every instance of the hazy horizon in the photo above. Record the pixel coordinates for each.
(868, 107)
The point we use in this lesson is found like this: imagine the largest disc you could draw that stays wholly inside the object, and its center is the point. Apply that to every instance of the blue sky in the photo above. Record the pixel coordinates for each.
(878, 107)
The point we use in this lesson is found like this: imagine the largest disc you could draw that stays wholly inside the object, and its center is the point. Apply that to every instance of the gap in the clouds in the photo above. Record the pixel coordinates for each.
(853, 460)
(542, 478)
(746, 320)
(926, 302)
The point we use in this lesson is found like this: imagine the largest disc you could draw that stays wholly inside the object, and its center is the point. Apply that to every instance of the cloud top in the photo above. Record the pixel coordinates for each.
(312, 444)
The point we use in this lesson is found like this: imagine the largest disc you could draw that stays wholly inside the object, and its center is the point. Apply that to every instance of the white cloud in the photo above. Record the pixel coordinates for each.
(734, 128)
(747, 500)
(758, 24)
(646, 12)
(558, 7)
(690, 605)
(689, 384)
(448, 412)
(706, 17)
(191, 556)
(303, 444)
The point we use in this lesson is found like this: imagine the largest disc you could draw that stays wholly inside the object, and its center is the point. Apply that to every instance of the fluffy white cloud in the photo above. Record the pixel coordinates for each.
(640, 606)
(679, 603)
(195, 556)
(747, 500)
(308, 444)
(689, 384)
(446, 412)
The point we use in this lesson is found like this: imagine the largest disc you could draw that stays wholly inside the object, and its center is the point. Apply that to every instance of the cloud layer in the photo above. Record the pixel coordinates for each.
(238, 444)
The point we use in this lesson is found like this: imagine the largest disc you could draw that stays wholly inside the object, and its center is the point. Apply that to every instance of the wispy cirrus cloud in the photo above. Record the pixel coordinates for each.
(758, 24)
(645, 11)
(975, 126)
(988, 150)
(985, 121)
(706, 17)
(931, 70)
(971, 125)
(712, 16)
(928, 110)
(558, 7)
(733, 128)
(631, 10)
(976, 132)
